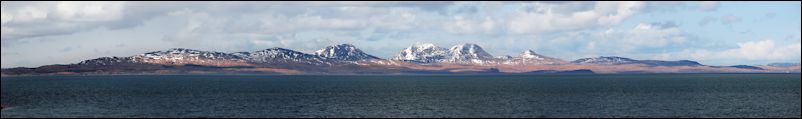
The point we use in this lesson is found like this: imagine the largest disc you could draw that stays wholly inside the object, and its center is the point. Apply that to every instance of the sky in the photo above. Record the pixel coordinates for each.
(712, 33)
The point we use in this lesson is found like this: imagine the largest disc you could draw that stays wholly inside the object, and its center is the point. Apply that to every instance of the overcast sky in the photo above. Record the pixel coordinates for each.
(713, 33)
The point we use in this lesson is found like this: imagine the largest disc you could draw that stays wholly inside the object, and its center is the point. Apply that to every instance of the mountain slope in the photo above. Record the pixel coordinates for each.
(346, 52)
(468, 53)
(622, 60)
(181, 56)
(529, 57)
(423, 53)
(282, 56)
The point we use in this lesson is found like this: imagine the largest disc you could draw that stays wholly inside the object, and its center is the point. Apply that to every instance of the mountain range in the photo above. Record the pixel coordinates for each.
(421, 58)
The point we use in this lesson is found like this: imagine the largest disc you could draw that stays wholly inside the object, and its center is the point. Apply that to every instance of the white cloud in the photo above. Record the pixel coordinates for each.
(462, 25)
(6, 18)
(27, 20)
(400, 19)
(53, 18)
(541, 18)
(764, 50)
(644, 35)
(89, 11)
(29, 14)
(709, 5)
(589, 27)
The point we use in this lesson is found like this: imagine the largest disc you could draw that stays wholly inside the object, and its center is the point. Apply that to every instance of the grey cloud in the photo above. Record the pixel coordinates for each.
(462, 8)
(570, 7)
(424, 5)
(10, 53)
(709, 5)
(730, 19)
(67, 49)
(664, 6)
(132, 14)
(707, 20)
(665, 25)
(771, 15)
(59, 18)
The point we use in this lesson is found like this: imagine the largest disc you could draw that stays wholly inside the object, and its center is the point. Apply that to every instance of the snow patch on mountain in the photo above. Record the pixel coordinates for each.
(469, 53)
(423, 53)
(346, 52)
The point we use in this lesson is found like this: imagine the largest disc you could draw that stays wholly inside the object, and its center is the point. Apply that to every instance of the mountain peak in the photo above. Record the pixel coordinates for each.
(423, 53)
(469, 53)
(181, 50)
(106, 61)
(470, 45)
(346, 52)
(424, 45)
(283, 56)
(529, 54)
(276, 49)
(344, 45)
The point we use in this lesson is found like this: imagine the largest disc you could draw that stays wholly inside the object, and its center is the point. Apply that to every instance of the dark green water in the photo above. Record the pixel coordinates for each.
(627, 95)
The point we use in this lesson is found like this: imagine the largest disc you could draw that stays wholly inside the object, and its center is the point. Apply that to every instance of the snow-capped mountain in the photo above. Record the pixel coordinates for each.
(268, 57)
(529, 54)
(345, 52)
(605, 60)
(670, 63)
(622, 60)
(104, 61)
(281, 55)
(529, 57)
(469, 53)
(182, 56)
(423, 53)
(345, 58)
(182, 53)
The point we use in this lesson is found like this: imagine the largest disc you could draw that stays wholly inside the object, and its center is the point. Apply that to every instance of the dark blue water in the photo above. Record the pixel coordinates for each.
(642, 95)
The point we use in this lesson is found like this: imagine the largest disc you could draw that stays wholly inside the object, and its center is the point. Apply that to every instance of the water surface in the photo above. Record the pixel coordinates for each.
(624, 95)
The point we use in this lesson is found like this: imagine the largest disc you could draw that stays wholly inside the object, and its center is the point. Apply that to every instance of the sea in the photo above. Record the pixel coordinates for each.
(390, 96)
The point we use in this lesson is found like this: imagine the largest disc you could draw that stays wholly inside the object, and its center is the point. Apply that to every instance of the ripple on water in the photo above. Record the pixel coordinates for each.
(633, 96)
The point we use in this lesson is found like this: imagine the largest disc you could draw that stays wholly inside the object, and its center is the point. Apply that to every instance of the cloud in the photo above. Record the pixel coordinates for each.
(27, 20)
(54, 18)
(642, 41)
(89, 11)
(709, 5)
(588, 28)
(642, 36)
(707, 20)
(541, 17)
(763, 50)
(730, 19)
(771, 15)
(462, 25)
